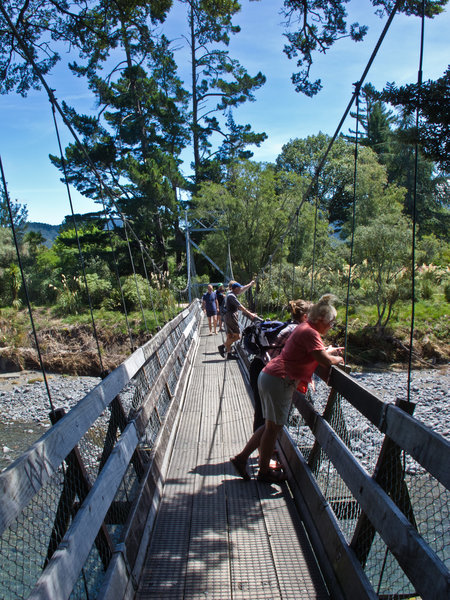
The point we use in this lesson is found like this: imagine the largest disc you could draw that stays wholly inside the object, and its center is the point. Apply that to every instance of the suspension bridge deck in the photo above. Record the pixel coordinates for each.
(215, 535)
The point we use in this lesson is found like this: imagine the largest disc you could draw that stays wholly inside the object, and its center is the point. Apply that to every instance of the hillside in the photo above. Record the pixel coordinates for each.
(49, 232)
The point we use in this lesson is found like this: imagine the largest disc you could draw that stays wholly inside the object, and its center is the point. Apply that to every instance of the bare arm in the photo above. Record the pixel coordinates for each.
(326, 359)
(249, 314)
(246, 287)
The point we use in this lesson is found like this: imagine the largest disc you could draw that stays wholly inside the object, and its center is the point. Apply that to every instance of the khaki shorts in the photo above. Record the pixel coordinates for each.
(276, 397)
(231, 323)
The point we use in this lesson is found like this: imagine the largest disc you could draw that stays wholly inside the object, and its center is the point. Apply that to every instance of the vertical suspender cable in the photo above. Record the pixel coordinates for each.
(279, 280)
(149, 286)
(116, 271)
(350, 265)
(416, 162)
(311, 293)
(294, 262)
(24, 283)
(80, 253)
(134, 273)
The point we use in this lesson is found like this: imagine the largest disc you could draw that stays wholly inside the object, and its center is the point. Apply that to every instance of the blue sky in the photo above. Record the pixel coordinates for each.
(28, 136)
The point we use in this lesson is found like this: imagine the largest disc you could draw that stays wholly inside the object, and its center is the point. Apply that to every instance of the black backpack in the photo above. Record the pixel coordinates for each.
(261, 335)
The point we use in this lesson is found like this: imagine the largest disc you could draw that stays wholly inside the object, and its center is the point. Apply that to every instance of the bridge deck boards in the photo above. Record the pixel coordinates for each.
(217, 536)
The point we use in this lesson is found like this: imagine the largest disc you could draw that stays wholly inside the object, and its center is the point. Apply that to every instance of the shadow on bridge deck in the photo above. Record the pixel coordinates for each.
(215, 535)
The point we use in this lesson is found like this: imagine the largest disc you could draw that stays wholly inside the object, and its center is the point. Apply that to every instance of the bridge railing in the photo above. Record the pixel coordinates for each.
(373, 486)
(73, 507)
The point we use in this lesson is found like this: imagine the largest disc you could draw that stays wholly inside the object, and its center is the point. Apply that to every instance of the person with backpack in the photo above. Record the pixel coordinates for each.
(220, 295)
(232, 308)
(299, 313)
(292, 368)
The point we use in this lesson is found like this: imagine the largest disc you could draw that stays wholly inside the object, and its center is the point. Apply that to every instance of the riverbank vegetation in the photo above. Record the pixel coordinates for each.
(348, 227)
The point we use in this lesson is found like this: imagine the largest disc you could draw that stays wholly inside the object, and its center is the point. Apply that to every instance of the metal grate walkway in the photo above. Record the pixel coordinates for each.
(217, 536)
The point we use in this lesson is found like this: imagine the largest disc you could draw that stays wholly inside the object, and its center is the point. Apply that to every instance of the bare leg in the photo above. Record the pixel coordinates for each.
(267, 445)
(252, 444)
(231, 337)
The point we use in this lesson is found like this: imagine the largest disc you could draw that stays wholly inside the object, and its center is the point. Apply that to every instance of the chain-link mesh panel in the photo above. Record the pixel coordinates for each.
(421, 498)
(151, 369)
(24, 544)
(163, 403)
(31, 539)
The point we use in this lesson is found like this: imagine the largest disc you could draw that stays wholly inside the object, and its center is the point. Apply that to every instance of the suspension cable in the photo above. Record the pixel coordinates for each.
(135, 278)
(149, 287)
(416, 165)
(295, 256)
(116, 271)
(352, 243)
(313, 266)
(25, 287)
(341, 122)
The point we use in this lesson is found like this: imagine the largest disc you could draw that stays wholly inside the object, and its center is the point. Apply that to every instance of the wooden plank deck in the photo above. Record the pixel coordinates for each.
(217, 536)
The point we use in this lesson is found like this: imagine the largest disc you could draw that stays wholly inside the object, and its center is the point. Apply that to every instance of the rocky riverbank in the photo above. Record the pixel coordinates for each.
(25, 403)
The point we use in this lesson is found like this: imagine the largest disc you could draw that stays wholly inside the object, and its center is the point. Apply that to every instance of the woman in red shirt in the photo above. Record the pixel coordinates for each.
(292, 369)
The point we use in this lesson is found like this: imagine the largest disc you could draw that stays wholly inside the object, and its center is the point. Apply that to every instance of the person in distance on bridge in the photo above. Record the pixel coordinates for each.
(220, 295)
(291, 369)
(232, 306)
(210, 306)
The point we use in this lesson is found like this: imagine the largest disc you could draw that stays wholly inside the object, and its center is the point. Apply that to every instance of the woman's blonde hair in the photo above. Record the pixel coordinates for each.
(323, 310)
(299, 307)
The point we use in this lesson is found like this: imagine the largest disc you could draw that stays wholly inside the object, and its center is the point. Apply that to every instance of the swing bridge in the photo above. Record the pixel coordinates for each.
(131, 494)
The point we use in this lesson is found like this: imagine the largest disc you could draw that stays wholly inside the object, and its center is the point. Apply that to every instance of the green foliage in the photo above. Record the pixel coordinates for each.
(447, 292)
(99, 290)
(426, 290)
(382, 249)
(433, 134)
(319, 24)
(219, 84)
(68, 300)
(135, 292)
(16, 211)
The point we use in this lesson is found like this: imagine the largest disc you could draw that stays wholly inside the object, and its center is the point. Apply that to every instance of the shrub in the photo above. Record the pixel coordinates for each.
(426, 290)
(99, 289)
(68, 299)
(447, 292)
(135, 292)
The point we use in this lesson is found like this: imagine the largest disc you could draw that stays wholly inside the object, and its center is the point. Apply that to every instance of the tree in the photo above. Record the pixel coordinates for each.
(335, 182)
(431, 98)
(382, 252)
(254, 207)
(135, 140)
(322, 22)
(219, 84)
(390, 136)
(19, 214)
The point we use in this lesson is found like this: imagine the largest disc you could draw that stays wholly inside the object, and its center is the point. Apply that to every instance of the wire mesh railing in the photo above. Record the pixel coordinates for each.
(420, 499)
(67, 503)
(373, 484)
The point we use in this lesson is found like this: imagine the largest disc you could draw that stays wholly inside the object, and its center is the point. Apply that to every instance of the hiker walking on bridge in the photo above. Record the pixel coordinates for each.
(292, 369)
(232, 306)
(211, 307)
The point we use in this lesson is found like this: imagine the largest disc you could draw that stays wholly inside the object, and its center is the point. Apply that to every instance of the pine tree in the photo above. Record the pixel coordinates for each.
(219, 84)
